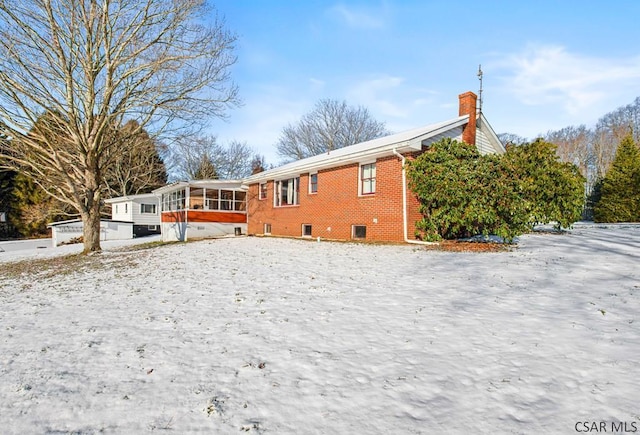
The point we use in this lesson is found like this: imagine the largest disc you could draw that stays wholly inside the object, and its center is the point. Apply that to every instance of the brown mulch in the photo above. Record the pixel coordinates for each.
(460, 246)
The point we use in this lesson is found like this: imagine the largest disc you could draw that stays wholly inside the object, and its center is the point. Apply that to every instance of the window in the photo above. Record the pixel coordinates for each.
(262, 194)
(196, 198)
(126, 208)
(286, 192)
(239, 201)
(211, 199)
(173, 200)
(147, 208)
(313, 183)
(306, 230)
(368, 179)
(116, 208)
(267, 228)
(152, 227)
(226, 200)
(3, 216)
(359, 232)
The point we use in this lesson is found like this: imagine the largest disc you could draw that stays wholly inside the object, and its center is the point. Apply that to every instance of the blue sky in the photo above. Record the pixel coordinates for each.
(547, 64)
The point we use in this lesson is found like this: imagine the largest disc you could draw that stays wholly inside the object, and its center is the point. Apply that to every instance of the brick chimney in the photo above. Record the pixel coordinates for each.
(468, 107)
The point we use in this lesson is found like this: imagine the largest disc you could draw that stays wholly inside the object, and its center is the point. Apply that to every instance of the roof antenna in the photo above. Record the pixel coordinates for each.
(480, 93)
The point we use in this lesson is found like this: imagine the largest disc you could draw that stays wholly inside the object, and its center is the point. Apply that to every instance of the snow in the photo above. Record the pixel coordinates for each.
(282, 336)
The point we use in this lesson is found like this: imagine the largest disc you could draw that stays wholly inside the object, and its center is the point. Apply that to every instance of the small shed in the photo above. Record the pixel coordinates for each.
(65, 232)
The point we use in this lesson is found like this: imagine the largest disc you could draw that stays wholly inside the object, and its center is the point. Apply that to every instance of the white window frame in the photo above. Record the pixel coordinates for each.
(292, 183)
(310, 230)
(266, 229)
(3, 216)
(311, 174)
(174, 200)
(262, 193)
(154, 208)
(361, 179)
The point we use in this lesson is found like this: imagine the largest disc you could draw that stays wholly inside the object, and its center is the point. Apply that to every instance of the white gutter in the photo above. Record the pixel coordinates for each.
(404, 205)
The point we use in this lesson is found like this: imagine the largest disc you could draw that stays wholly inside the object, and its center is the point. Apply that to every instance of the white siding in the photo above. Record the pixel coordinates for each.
(129, 209)
(63, 233)
(140, 218)
(455, 133)
(483, 144)
(180, 231)
(121, 211)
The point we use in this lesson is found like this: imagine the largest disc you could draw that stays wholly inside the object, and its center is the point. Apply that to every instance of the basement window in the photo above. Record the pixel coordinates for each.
(306, 230)
(359, 232)
(267, 229)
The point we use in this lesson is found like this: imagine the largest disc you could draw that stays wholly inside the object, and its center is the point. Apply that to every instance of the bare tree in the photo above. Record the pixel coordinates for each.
(610, 130)
(573, 146)
(258, 164)
(93, 64)
(233, 161)
(188, 154)
(236, 160)
(511, 139)
(330, 125)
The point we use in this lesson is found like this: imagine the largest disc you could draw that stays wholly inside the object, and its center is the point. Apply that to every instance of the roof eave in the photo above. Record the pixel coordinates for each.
(410, 145)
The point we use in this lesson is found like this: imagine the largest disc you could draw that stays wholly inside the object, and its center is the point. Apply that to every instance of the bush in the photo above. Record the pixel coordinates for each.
(463, 194)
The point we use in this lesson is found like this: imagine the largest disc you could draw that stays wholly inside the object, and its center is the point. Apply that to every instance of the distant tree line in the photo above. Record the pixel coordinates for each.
(593, 151)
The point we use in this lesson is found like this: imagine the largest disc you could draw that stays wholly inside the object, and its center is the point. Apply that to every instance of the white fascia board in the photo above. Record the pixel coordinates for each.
(128, 198)
(207, 184)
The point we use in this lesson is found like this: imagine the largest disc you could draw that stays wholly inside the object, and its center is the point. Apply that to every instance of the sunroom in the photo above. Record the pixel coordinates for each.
(202, 208)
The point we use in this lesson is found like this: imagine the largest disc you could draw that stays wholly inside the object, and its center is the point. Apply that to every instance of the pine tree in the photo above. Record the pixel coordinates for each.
(32, 208)
(620, 194)
(206, 170)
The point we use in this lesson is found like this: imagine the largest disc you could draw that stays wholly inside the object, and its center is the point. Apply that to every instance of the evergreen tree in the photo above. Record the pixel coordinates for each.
(6, 191)
(32, 208)
(206, 169)
(620, 193)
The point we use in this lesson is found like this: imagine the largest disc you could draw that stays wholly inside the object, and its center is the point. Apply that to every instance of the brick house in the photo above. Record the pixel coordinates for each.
(359, 191)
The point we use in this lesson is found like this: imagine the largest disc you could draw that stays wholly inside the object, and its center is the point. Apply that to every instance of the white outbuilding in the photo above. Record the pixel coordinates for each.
(143, 211)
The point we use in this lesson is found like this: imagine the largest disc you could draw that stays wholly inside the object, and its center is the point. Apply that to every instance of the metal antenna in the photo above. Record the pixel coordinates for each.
(480, 93)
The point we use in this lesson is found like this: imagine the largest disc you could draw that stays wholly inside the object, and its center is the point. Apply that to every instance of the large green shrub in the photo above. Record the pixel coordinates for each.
(462, 193)
(619, 195)
(553, 191)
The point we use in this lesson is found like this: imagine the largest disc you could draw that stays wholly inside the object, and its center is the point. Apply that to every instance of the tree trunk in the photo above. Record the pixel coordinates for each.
(91, 231)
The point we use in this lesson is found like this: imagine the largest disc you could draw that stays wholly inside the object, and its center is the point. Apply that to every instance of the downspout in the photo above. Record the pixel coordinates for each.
(404, 204)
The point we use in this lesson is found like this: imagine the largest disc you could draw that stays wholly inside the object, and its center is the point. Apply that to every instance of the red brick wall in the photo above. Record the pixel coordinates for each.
(336, 207)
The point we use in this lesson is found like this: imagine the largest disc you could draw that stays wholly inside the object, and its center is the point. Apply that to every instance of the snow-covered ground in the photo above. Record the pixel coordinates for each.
(293, 337)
